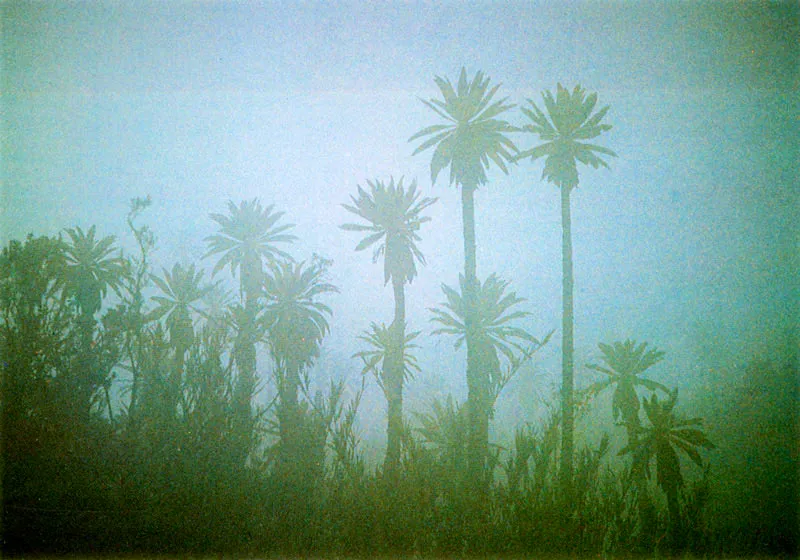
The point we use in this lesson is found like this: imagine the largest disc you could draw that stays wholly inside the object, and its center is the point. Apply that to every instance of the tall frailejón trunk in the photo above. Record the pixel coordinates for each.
(85, 376)
(567, 350)
(647, 513)
(251, 286)
(393, 379)
(246, 362)
(245, 359)
(176, 379)
(477, 381)
(293, 468)
(289, 420)
(675, 522)
(470, 250)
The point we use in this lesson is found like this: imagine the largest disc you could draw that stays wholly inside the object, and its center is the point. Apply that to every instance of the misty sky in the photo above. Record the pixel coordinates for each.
(688, 242)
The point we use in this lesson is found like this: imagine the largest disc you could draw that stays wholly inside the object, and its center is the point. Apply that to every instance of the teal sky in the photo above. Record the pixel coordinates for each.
(689, 241)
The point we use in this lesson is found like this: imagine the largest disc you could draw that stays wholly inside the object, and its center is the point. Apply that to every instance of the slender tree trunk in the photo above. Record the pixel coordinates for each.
(675, 524)
(251, 273)
(477, 389)
(245, 358)
(175, 379)
(289, 421)
(475, 456)
(85, 376)
(295, 453)
(647, 514)
(393, 380)
(567, 351)
(135, 341)
(133, 408)
(470, 250)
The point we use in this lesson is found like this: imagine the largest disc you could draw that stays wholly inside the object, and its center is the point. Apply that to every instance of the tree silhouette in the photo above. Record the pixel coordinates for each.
(246, 324)
(133, 299)
(182, 289)
(248, 236)
(666, 434)
(393, 214)
(36, 336)
(468, 142)
(491, 331)
(296, 322)
(624, 364)
(567, 123)
(89, 271)
(382, 359)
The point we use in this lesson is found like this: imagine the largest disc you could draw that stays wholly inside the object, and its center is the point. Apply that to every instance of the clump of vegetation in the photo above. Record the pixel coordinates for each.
(131, 422)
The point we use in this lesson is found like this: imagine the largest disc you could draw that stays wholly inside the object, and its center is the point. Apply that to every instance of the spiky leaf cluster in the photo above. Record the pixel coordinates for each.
(445, 428)
(394, 217)
(565, 126)
(248, 236)
(182, 289)
(667, 434)
(624, 364)
(382, 342)
(90, 268)
(473, 136)
(295, 319)
(491, 316)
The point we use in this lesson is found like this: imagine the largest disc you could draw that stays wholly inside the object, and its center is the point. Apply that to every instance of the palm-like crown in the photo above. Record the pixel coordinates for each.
(248, 235)
(666, 434)
(182, 289)
(296, 321)
(565, 126)
(90, 268)
(394, 216)
(382, 342)
(490, 316)
(624, 363)
(472, 136)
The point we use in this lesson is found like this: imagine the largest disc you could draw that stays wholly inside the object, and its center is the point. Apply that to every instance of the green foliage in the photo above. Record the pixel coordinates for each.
(666, 434)
(481, 316)
(97, 456)
(182, 288)
(490, 317)
(446, 428)
(472, 136)
(344, 440)
(532, 510)
(394, 216)
(90, 269)
(753, 414)
(294, 317)
(37, 327)
(624, 363)
(567, 121)
(248, 235)
(208, 385)
(381, 340)
(31, 275)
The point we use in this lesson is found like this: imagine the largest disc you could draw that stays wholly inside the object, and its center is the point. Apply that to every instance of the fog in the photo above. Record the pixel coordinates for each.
(688, 241)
